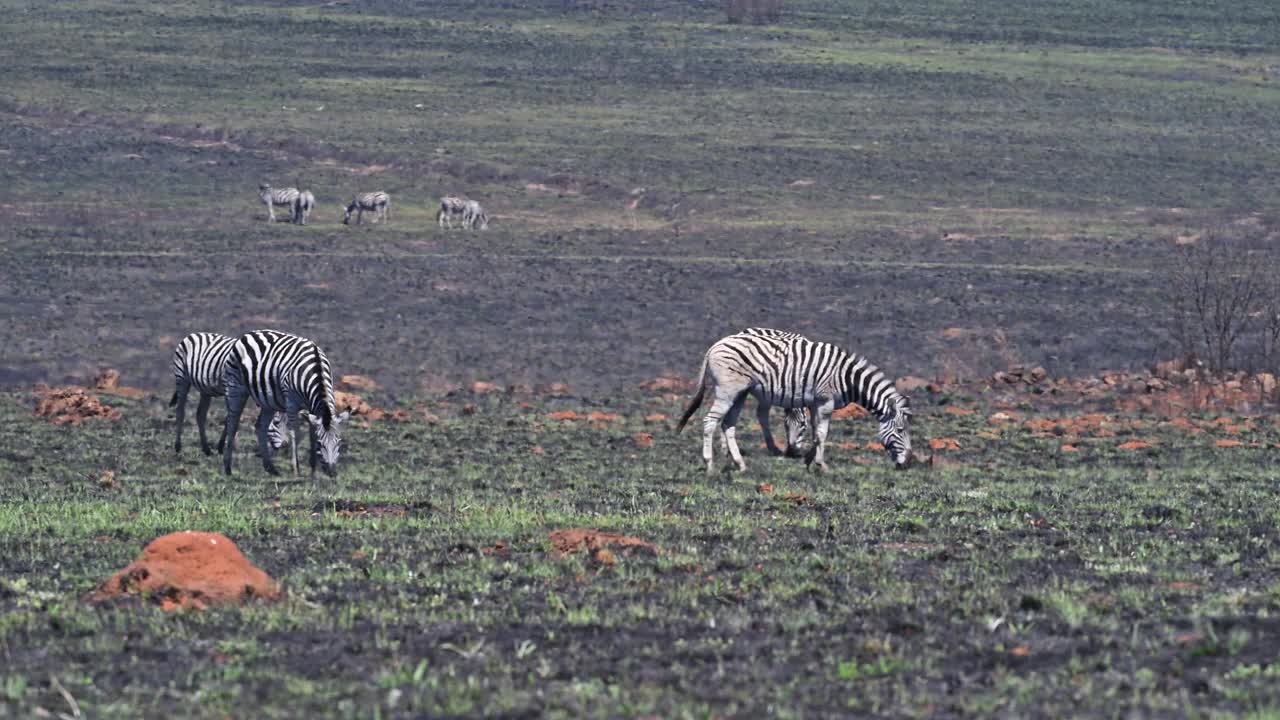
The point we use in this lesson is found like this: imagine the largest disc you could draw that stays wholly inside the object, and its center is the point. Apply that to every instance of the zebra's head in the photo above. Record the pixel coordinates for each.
(895, 432)
(278, 433)
(346, 214)
(328, 441)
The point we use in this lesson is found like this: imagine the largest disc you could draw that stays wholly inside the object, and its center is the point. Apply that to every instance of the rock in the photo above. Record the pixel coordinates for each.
(1169, 369)
(572, 540)
(557, 389)
(190, 570)
(71, 405)
(642, 440)
(480, 387)
(1266, 383)
(666, 384)
(352, 402)
(1037, 375)
(910, 384)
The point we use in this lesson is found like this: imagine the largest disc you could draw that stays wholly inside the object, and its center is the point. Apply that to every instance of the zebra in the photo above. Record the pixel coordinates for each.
(302, 206)
(290, 374)
(199, 360)
(450, 206)
(473, 215)
(273, 198)
(797, 419)
(794, 372)
(374, 201)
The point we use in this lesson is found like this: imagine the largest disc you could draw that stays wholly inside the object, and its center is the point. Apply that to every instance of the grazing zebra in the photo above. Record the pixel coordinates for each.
(290, 374)
(374, 201)
(273, 198)
(451, 206)
(200, 360)
(302, 207)
(473, 215)
(794, 372)
(797, 420)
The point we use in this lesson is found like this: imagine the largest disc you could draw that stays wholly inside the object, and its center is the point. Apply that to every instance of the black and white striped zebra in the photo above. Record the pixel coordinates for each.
(302, 207)
(199, 361)
(451, 206)
(290, 374)
(378, 202)
(794, 372)
(474, 216)
(277, 197)
(797, 419)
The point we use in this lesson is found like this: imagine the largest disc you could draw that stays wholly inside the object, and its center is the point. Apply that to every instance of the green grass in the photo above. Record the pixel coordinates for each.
(1149, 579)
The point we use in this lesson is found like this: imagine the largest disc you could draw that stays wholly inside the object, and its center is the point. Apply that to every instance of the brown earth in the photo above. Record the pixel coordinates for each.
(71, 405)
(190, 569)
(572, 540)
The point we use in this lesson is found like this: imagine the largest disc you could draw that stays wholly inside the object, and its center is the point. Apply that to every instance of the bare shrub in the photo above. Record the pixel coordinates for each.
(1220, 291)
(755, 11)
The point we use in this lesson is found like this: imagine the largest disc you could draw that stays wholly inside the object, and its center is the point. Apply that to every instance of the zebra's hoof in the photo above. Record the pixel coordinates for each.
(271, 470)
(207, 450)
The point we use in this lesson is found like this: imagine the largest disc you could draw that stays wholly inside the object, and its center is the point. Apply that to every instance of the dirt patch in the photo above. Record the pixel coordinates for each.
(109, 382)
(190, 570)
(71, 405)
(358, 382)
(570, 541)
(360, 508)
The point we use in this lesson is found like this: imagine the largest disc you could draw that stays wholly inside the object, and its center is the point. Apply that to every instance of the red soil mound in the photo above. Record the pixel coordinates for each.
(190, 570)
(71, 405)
(573, 540)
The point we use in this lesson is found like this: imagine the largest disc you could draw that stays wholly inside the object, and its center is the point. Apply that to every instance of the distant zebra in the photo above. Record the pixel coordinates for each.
(200, 361)
(302, 206)
(794, 372)
(290, 374)
(451, 206)
(374, 201)
(473, 215)
(274, 198)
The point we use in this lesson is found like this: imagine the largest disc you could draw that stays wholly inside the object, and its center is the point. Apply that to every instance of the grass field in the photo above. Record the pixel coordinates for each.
(947, 187)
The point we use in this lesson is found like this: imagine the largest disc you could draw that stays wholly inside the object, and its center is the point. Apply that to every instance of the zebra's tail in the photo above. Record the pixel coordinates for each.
(696, 401)
(173, 400)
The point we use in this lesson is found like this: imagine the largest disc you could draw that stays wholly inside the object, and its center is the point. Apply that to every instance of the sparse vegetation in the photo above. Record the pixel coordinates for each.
(950, 188)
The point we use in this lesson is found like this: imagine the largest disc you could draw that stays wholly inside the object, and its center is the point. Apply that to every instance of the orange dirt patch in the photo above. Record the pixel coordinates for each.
(764, 488)
(1069, 448)
(352, 402)
(642, 440)
(480, 387)
(944, 444)
(1020, 651)
(850, 412)
(564, 415)
(109, 382)
(655, 418)
(1133, 445)
(601, 417)
(957, 410)
(71, 405)
(570, 541)
(797, 498)
(190, 570)
(1229, 443)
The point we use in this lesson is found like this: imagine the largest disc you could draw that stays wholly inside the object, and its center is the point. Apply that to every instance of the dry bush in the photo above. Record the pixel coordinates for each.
(756, 12)
(1224, 302)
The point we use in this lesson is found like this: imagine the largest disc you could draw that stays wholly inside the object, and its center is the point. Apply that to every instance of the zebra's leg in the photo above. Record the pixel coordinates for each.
(202, 419)
(796, 427)
(820, 416)
(271, 212)
(710, 423)
(180, 411)
(263, 426)
(237, 395)
(291, 417)
(762, 415)
(729, 424)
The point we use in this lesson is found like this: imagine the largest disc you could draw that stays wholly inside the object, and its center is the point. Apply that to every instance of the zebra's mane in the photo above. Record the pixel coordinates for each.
(326, 392)
(883, 388)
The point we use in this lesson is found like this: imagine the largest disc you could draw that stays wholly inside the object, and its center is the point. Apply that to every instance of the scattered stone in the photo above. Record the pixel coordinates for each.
(1133, 445)
(480, 387)
(666, 384)
(557, 389)
(643, 440)
(189, 570)
(764, 488)
(850, 411)
(564, 415)
(947, 443)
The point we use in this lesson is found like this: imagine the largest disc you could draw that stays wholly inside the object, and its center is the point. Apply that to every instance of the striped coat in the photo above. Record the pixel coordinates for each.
(277, 197)
(199, 361)
(378, 202)
(792, 371)
(451, 206)
(290, 374)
